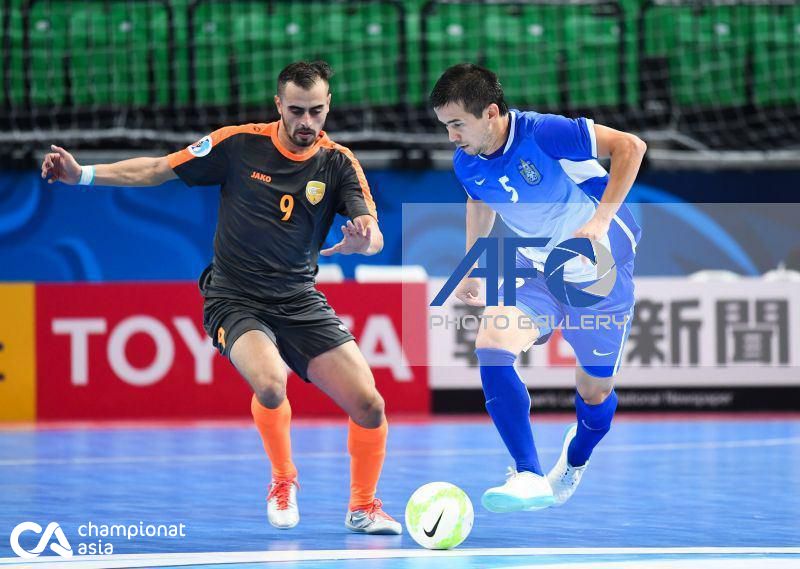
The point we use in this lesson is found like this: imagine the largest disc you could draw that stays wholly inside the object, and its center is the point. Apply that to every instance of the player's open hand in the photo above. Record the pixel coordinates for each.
(59, 165)
(468, 291)
(357, 239)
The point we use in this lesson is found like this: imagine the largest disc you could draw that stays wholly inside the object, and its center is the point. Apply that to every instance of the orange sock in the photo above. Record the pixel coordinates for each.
(273, 424)
(367, 450)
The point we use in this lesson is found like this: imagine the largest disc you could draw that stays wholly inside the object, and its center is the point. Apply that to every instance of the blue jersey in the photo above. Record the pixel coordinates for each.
(546, 182)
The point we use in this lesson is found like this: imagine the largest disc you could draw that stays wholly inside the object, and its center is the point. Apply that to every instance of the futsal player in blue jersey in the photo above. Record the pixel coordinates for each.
(540, 173)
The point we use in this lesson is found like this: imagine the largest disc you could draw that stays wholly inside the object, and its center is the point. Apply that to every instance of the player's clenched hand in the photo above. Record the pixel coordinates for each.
(595, 229)
(468, 291)
(357, 239)
(59, 165)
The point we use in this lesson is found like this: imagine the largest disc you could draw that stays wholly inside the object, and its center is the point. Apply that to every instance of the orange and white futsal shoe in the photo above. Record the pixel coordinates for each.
(282, 503)
(372, 520)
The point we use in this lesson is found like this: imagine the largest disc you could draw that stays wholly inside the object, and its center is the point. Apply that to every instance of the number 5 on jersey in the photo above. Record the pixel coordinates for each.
(510, 189)
(287, 205)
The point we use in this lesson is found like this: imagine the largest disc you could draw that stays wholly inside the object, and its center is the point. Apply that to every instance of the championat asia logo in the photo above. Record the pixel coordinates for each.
(60, 546)
(579, 295)
(93, 538)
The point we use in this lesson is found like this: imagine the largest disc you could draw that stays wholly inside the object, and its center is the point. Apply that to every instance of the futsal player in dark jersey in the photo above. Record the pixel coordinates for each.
(281, 185)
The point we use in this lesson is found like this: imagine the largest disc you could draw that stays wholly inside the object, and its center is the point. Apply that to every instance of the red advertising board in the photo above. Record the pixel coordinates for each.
(124, 351)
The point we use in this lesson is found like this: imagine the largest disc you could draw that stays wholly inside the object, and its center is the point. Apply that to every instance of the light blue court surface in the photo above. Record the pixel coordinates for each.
(658, 493)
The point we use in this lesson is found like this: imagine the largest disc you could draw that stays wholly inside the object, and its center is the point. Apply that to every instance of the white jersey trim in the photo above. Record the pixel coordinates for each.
(625, 331)
(592, 136)
(581, 171)
(511, 129)
(624, 227)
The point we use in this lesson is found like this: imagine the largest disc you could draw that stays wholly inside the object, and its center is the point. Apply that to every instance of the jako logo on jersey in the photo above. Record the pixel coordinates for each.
(62, 547)
(573, 294)
(580, 295)
(201, 148)
(315, 191)
(261, 177)
(529, 172)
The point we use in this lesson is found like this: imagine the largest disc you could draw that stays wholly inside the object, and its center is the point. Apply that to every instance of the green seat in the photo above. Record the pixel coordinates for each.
(329, 39)
(211, 50)
(454, 34)
(15, 71)
(776, 56)
(526, 42)
(651, 57)
(708, 67)
(378, 35)
(592, 59)
(250, 49)
(91, 54)
(111, 53)
(362, 43)
(2, 53)
(139, 39)
(50, 50)
(288, 37)
(660, 28)
(104, 50)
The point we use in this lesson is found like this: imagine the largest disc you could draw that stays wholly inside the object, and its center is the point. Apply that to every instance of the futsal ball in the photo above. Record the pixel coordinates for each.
(439, 515)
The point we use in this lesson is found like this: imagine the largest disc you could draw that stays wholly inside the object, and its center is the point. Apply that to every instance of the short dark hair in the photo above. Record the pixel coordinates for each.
(473, 86)
(304, 74)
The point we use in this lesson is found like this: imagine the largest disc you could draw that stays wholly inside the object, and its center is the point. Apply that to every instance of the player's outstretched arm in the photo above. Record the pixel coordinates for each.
(60, 166)
(361, 236)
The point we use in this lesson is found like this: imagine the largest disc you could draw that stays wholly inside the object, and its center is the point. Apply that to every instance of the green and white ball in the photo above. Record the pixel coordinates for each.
(439, 515)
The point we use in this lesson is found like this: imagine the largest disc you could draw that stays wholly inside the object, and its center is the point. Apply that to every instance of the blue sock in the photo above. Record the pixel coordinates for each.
(509, 405)
(594, 421)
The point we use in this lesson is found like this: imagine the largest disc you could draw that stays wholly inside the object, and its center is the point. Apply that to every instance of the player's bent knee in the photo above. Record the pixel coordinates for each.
(370, 411)
(595, 398)
(486, 340)
(492, 339)
(501, 330)
(270, 390)
(594, 389)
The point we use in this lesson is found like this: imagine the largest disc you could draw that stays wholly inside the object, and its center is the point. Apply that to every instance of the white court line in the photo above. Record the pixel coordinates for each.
(698, 445)
(188, 559)
(713, 563)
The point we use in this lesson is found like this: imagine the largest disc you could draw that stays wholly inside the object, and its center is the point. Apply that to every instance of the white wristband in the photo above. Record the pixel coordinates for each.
(87, 176)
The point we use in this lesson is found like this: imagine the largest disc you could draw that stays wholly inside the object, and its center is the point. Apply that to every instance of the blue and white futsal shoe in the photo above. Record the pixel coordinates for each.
(522, 491)
(564, 478)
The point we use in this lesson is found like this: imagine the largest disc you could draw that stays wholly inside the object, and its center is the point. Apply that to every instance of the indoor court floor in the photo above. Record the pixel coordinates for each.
(660, 492)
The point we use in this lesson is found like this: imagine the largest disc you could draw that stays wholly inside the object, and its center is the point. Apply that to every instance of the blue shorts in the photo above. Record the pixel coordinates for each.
(596, 333)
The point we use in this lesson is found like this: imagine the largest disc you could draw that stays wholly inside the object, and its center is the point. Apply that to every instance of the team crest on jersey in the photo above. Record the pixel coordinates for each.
(529, 172)
(201, 148)
(315, 191)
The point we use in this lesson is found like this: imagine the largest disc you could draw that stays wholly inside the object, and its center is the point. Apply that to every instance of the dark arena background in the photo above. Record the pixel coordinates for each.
(115, 408)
